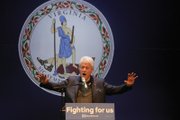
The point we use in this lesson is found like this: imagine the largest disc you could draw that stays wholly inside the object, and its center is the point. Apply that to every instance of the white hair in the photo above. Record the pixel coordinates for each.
(87, 59)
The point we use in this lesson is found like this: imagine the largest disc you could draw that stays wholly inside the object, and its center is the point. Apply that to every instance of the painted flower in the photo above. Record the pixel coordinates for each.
(103, 65)
(29, 64)
(105, 33)
(82, 7)
(106, 50)
(59, 5)
(67, 4)
(95, 17)
(25, 50)
(34, 20)
(27, 34)
(45, 10)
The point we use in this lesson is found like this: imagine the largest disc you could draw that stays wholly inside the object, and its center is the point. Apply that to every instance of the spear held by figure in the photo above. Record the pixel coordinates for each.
(54, 31)
(72, 35)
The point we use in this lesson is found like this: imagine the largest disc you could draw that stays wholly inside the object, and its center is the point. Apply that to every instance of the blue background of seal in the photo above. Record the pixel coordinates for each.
(145, 39)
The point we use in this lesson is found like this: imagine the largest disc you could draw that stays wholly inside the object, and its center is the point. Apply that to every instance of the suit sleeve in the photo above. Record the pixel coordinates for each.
(55, 86)
(111, 90)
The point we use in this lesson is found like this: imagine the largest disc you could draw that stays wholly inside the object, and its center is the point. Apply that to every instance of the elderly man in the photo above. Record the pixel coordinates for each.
(86, 88)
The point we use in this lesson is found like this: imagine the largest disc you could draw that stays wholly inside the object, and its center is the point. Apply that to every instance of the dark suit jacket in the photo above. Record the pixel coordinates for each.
(99, 89)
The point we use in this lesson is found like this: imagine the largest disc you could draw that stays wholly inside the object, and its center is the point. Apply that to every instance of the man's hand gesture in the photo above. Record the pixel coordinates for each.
(42, 78)
(131, 79)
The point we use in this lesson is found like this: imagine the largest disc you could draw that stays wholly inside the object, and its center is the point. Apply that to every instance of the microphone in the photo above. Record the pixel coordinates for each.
(84, 81)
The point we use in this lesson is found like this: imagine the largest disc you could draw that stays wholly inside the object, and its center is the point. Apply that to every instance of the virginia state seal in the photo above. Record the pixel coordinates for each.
(58, 33)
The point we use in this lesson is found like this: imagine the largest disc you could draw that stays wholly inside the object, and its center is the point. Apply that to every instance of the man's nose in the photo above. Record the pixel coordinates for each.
(84, 69)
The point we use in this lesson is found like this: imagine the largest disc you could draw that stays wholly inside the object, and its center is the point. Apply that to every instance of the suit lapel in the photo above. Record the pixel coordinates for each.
(93, 88)
(76, 88)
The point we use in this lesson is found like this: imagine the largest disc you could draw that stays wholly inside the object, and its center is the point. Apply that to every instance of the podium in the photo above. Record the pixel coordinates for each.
(89, 111)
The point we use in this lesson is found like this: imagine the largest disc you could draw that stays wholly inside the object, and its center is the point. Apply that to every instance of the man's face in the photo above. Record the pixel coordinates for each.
(85, 70)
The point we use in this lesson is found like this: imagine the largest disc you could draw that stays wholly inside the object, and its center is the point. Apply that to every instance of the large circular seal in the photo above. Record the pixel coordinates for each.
(58, 33)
